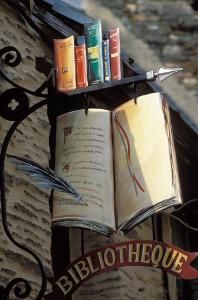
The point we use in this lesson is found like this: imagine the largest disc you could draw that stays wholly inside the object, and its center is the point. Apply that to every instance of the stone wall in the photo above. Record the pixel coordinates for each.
(28, 206)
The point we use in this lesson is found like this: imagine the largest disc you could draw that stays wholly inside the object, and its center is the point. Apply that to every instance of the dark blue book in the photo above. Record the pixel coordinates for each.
(106, 57)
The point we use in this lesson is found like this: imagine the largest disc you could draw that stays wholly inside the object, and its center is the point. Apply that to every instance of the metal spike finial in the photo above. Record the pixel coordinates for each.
(164, 73)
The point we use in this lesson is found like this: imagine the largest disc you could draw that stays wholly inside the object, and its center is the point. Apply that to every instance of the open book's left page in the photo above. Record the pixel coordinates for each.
(84, 158)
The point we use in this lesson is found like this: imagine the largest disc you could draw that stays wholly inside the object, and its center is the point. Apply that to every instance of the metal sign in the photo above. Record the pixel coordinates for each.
(130, 253)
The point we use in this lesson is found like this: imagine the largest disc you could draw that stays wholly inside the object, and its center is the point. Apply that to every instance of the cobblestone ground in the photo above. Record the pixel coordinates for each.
(170, 28)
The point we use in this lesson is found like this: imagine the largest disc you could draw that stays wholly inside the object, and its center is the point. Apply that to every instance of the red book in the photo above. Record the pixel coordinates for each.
(114, 45)
(81, 63)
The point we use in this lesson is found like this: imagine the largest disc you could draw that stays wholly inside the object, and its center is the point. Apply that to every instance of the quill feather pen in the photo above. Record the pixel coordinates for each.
(45, 178)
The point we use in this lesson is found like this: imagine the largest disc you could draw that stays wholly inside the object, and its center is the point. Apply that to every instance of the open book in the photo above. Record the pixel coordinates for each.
(122, 162)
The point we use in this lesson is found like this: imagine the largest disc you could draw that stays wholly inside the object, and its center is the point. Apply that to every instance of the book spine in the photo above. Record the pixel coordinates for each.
(64, 61)
(81, 65)
(93, 34)
(106, 59)
(114, 43)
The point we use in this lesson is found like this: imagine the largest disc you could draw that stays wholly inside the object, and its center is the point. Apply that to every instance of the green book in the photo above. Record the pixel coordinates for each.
(93, 34)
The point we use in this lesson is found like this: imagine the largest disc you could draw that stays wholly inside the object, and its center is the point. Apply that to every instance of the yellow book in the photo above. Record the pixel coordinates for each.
(64, 60)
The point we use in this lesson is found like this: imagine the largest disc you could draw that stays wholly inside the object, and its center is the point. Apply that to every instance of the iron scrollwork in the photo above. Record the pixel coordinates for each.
(14, 106)
(10, 56)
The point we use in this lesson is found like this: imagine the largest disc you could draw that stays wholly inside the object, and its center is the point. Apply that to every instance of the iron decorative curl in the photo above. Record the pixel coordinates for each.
(19, 293)
(10, 56)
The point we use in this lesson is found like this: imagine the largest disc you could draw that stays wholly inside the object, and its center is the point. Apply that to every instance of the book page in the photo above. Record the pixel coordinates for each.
(143, 162)
(84, 159)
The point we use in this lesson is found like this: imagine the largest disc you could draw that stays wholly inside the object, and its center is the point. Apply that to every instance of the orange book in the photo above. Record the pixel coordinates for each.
(65, 64)
(81, 63)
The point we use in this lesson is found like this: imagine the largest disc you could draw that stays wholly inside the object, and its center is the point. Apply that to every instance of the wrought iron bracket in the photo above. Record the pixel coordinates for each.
(14, 106)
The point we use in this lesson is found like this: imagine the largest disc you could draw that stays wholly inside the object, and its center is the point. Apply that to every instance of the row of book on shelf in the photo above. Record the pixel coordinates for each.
(90, 59)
